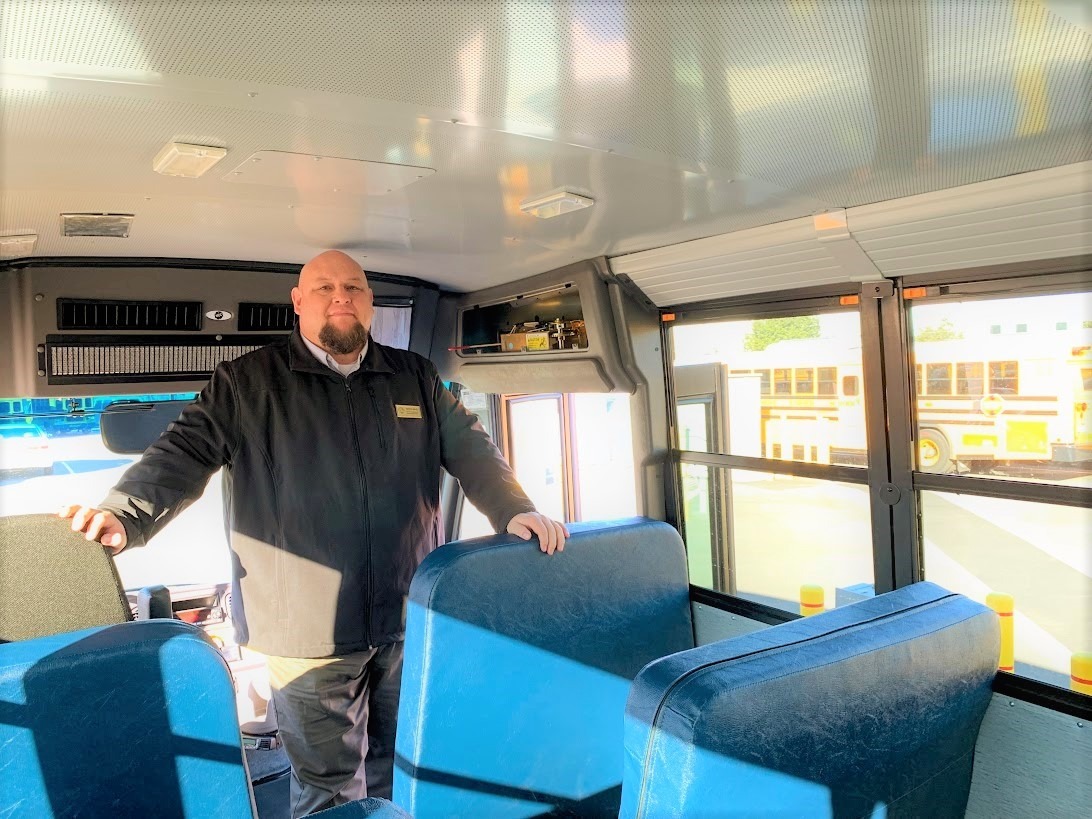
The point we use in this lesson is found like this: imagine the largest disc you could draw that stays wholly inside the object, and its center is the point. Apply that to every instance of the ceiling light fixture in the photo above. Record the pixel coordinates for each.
(555, 204)
(184, 159)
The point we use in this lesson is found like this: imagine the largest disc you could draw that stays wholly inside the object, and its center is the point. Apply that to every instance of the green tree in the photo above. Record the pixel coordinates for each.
(945, 331)
(765, 332)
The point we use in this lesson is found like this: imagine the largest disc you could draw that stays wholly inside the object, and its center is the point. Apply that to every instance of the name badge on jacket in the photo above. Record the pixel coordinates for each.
(407, 411)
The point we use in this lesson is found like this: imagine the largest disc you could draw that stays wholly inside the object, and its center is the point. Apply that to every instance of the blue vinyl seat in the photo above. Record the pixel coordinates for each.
(517, 668)
(872, 709)
(135, 719)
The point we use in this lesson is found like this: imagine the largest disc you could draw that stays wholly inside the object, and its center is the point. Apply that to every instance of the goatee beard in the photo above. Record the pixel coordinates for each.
(344, 342)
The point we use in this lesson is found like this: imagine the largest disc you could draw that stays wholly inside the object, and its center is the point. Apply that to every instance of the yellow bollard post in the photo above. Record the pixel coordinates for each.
(1080, 673)
(811, 600)
(1003, 605)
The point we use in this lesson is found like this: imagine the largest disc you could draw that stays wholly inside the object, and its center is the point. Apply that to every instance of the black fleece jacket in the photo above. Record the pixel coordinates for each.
(331, 489)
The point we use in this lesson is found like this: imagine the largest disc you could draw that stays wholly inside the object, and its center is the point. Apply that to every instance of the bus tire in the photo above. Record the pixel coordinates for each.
(934, 452)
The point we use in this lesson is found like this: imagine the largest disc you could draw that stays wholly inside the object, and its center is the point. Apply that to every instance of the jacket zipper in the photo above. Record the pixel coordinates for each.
(375, 409)
(367, 520)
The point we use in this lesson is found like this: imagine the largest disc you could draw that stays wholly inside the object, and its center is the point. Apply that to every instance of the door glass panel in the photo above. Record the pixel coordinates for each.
(1005, 397)
(536, 435)
(784, 388)
(603, 456)
(1036, 553)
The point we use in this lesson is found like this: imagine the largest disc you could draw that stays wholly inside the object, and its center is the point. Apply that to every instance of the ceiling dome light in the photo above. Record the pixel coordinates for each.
(555, 204)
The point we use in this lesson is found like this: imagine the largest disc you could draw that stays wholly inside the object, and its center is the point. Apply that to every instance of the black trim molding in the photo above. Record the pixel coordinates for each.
(1040, 693)
(744, 608)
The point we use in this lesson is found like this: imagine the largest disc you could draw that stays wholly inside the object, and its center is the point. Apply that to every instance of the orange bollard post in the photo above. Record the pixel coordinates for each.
(1080, 673)
(811, 600)
(1003, 604)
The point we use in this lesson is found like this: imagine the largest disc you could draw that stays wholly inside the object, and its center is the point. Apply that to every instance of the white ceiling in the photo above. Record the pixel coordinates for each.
(682, 120)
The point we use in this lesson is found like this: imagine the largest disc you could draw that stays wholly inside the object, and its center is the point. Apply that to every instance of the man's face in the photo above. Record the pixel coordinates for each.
(334, 304)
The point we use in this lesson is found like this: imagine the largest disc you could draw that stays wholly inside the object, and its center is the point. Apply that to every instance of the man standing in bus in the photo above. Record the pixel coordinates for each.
(332, 447)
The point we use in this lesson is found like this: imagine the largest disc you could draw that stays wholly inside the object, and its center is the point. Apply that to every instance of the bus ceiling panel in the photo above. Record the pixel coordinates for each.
(679, 120)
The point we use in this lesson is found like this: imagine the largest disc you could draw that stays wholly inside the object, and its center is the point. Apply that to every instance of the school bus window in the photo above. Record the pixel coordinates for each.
(1021, 416)
(783, 382)
(969, 379)
(766, 387)
(764, 383)
(1034, 554)
(805, 382)
(917, 380)
(1086, 378)
(1003, 378)
(938, 379)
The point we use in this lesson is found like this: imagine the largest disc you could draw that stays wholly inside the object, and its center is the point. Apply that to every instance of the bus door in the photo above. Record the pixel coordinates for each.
(703, 393)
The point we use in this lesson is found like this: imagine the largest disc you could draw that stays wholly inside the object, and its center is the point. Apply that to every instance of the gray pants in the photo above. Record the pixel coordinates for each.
(336, 718)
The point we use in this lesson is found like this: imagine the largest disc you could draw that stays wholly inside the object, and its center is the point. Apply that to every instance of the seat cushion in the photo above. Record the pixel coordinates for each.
(872, 706)
(136, 719)
(517, 667)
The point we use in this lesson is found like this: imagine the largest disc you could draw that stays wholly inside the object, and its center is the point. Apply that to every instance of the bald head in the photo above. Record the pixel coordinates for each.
(334, 304)
(330, 262)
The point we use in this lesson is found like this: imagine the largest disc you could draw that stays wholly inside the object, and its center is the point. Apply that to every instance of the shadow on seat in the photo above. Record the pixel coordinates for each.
(136, 719)
(517, 668)
(52, 580)
(872, 709)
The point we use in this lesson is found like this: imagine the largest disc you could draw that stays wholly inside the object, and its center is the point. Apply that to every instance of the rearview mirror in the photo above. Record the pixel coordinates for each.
(132, 426)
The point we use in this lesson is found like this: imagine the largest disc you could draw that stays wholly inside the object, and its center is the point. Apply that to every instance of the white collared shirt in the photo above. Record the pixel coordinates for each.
(324, 357)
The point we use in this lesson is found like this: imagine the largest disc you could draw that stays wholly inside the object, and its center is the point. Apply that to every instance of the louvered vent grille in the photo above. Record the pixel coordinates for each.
(121, 359)
(109, 314)
(255, 316)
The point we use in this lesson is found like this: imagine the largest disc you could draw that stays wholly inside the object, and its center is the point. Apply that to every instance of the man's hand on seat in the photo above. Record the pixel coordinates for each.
(551, 534)
(96, 524)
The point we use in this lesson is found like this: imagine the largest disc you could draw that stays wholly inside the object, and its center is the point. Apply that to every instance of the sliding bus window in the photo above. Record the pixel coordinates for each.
(1004, 464)
(782, 388)
(998, 401)
(784, 392)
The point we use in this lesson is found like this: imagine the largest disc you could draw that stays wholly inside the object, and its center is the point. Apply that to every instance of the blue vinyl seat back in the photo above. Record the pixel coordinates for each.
(868, 710)
(517, 668)
(136, 719)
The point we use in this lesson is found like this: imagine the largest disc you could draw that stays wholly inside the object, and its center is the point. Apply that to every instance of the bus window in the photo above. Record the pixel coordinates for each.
(804, 379)
(764, 382)
(782, 382)
(1029, 423)
(741, 536)
(1004, 379)
(64, 458)
(969, 379)
(938, 379)
(695, 424)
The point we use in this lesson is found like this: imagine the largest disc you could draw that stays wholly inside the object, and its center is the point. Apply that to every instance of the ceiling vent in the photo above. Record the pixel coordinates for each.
(97, 224)
(111, 314)
(255, 316)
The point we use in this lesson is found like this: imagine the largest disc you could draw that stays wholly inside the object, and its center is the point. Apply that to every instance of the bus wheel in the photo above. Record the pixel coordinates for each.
(934, 453)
